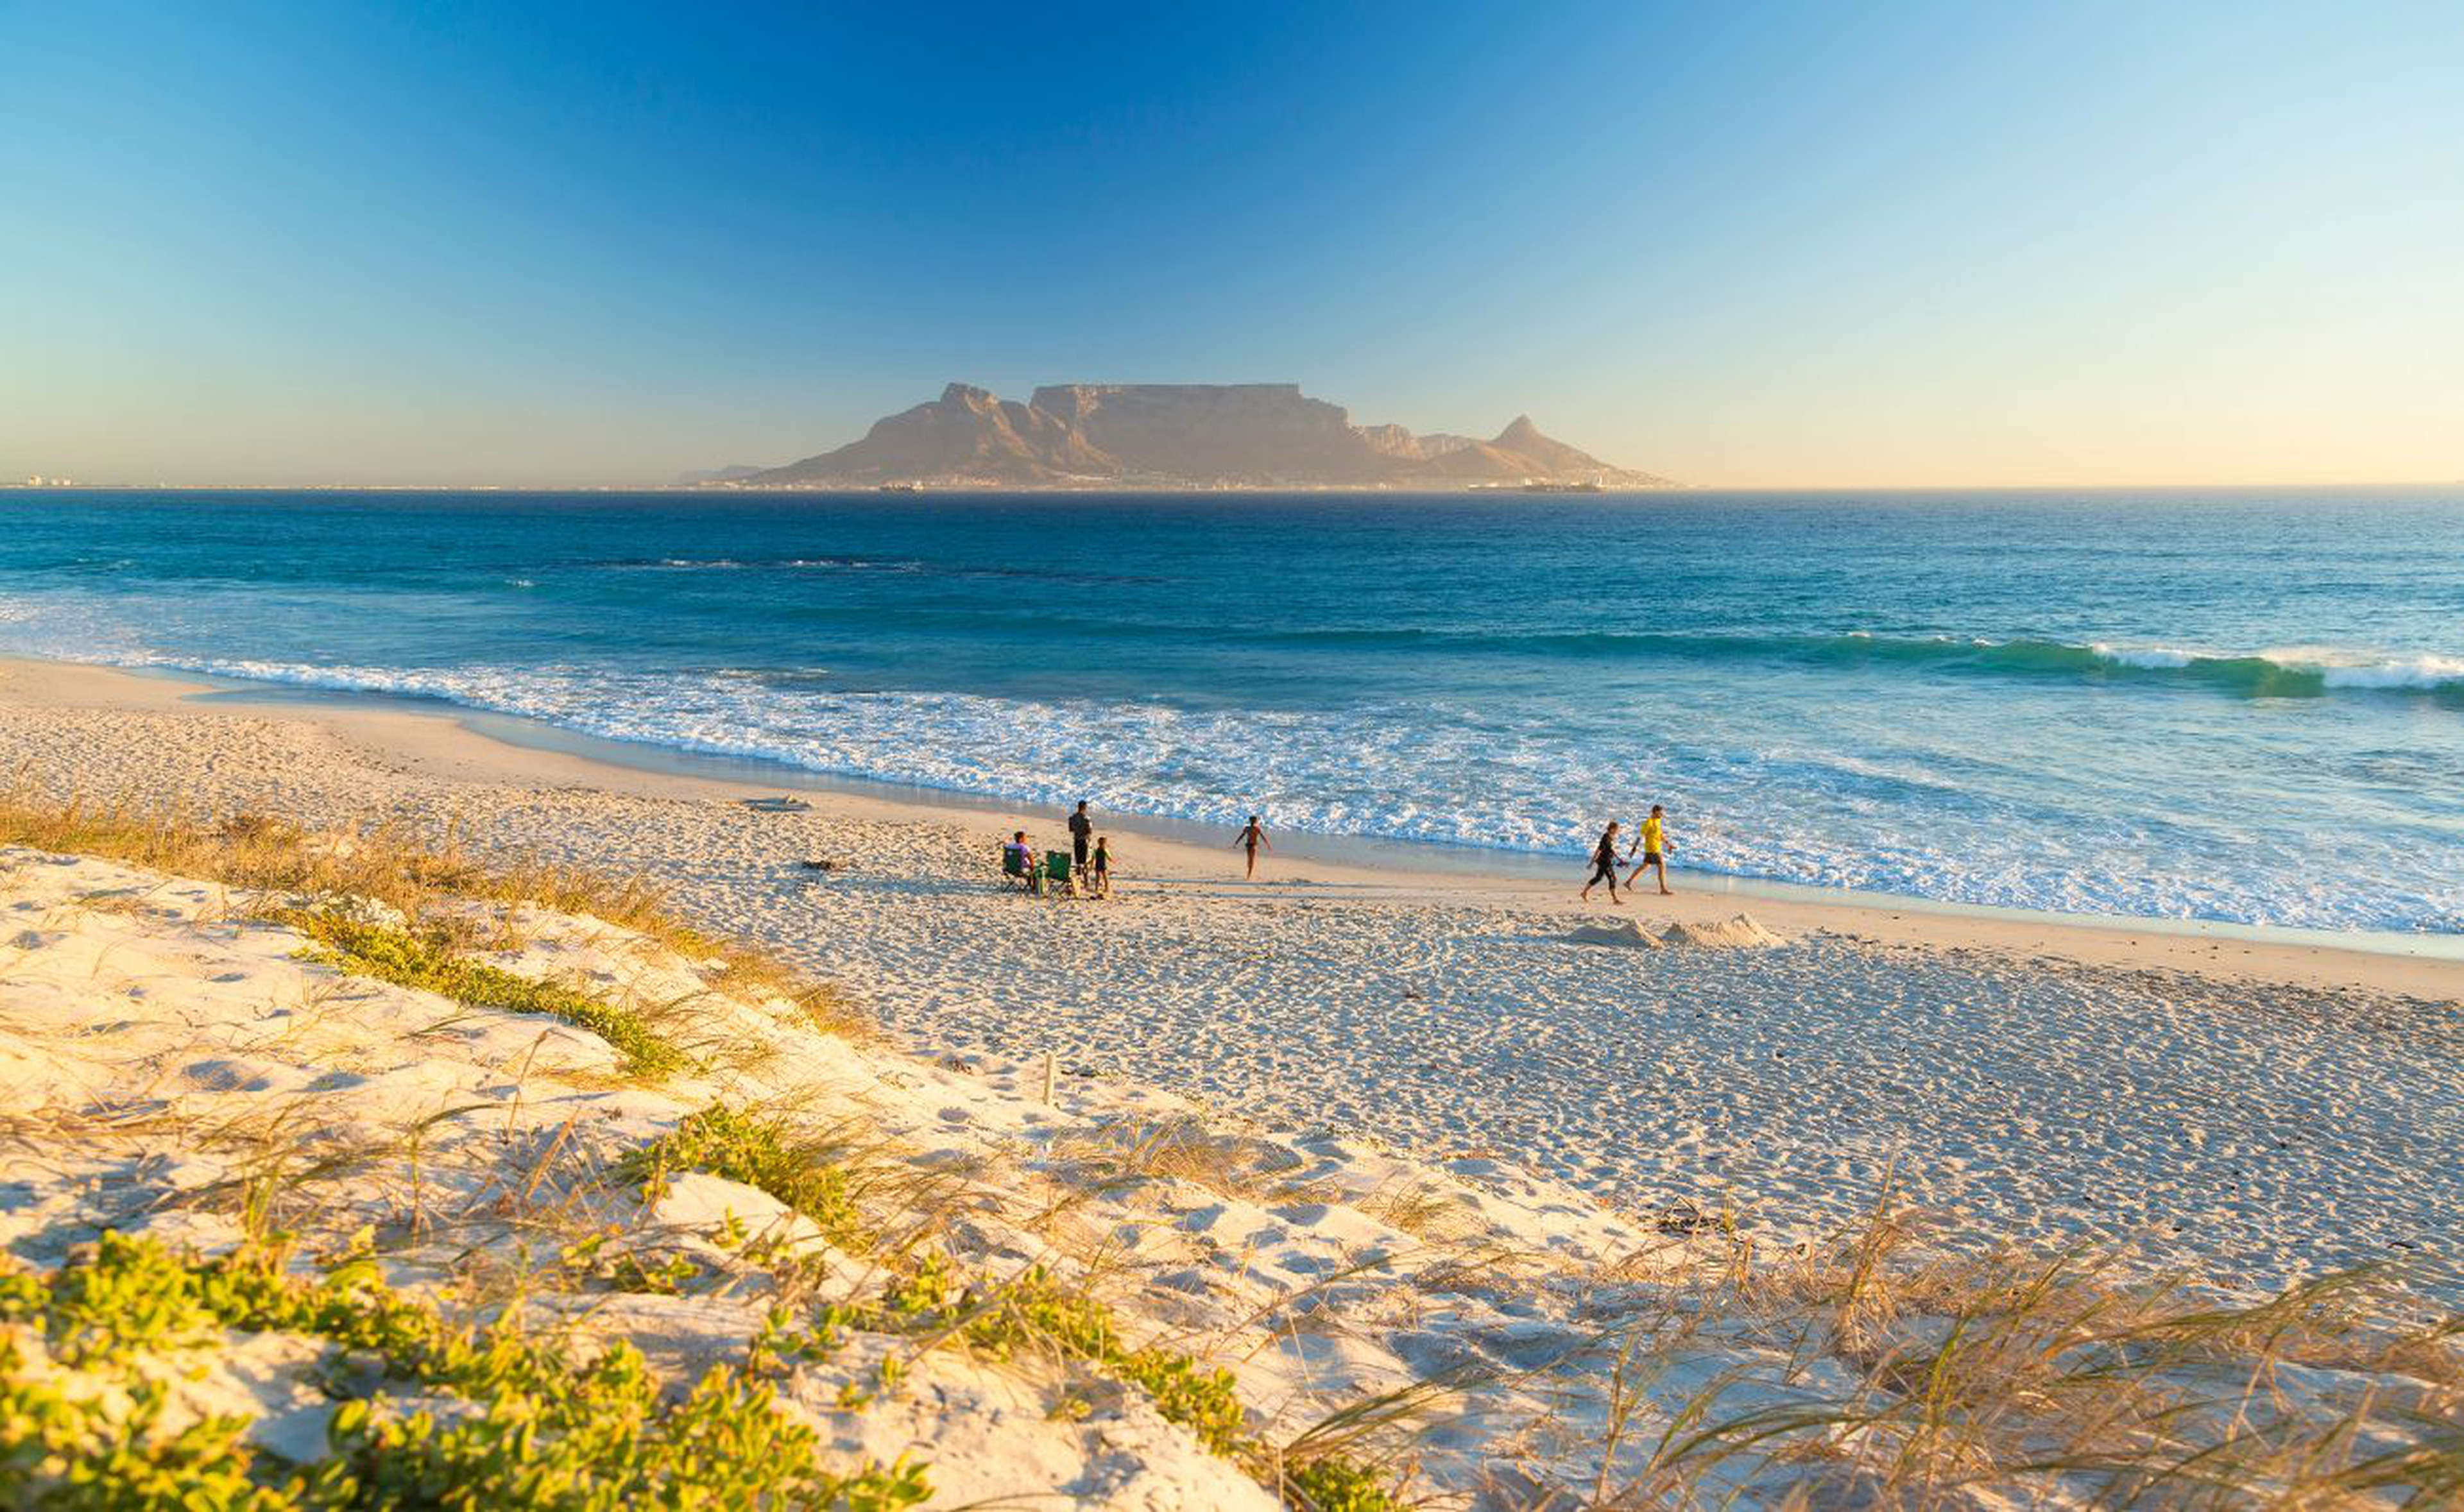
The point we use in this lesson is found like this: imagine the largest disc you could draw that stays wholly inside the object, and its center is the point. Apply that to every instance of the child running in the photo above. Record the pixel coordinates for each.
(1604, 865)
(1654, 845)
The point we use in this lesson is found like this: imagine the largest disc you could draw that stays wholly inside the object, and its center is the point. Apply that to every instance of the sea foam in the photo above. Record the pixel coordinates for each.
(1379, 771)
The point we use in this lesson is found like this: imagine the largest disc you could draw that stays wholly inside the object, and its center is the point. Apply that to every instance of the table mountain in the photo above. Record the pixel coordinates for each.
(1180, 435)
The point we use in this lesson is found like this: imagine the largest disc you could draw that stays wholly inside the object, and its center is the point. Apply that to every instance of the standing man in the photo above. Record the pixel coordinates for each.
(1654, 843)
(1253, 835)
(1604, 865)
(1082, 832)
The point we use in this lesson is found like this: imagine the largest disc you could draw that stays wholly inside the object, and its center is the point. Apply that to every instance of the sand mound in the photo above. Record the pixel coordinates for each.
(1744, 933)
(1625, 932)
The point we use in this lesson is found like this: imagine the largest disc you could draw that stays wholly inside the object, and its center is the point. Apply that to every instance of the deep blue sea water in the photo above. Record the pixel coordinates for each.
(2239, 705)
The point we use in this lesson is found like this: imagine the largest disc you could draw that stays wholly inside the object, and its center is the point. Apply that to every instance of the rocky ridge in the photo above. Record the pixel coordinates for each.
(1180, 435)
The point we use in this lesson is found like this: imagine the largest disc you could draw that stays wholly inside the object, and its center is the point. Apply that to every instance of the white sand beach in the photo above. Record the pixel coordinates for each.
(1345, 1131)
(2254, 1112)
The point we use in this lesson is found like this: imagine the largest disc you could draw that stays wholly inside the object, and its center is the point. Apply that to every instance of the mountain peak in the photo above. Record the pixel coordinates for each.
(1538, 457)
(1180, 435)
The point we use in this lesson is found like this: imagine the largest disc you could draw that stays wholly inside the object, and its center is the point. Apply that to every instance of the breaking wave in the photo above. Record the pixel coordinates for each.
(1420, 773)
(2288, 673)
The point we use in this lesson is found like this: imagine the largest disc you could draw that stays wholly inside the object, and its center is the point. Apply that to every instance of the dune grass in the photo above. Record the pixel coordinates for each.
(426, 959)
(531, 1427)
(1034, 1311)
(390, 864)
(1125, 1151)
(2020, 1379)
(923, 1296)
(1914, 1380)
(762, 1153)
(262, 853)
(1036, 1308)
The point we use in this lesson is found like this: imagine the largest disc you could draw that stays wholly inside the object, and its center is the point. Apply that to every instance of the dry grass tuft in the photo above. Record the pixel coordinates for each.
(385, 863)
(260, 853)
(2069, 1379)
(1869, 1373)
(1423, 1209)
(1125, 1151)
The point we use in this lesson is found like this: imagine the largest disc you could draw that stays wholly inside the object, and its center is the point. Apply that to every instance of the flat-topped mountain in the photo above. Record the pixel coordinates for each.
(1180, 435)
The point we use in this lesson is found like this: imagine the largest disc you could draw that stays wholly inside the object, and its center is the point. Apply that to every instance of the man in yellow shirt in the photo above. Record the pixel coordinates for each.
(1653, 842)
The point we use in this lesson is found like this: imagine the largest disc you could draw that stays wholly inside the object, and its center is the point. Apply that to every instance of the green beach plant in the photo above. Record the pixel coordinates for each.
(761, 1153)
(537, 1428)
(1906, 1377)
(426, 959)
(1036, 1310)
(927, 1299)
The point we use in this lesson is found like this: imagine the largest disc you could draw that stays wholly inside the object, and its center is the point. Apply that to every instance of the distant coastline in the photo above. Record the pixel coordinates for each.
(1092, 488)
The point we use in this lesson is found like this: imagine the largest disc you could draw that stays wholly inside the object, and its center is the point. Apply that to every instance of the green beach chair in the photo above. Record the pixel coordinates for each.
(1015, 867)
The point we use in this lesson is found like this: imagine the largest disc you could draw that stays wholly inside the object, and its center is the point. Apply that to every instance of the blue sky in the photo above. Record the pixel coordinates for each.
(1737, 243)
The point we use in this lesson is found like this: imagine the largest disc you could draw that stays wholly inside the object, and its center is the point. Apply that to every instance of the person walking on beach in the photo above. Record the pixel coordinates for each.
(1099, 868)
(1604, 865)
(1653, 842)
(1253, 835)
(1082, 830)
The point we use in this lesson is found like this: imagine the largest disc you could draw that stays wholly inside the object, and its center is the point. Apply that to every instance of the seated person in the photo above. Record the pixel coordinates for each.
(1019, 859)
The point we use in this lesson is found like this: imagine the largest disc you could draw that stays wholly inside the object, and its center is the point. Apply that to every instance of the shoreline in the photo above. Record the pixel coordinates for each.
(442, 739)
(2250, 1114)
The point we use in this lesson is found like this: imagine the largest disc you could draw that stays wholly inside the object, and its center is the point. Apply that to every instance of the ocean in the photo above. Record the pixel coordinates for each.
(2242, 704)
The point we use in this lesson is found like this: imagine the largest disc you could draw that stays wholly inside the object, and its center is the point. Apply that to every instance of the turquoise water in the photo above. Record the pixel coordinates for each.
(2239, 705)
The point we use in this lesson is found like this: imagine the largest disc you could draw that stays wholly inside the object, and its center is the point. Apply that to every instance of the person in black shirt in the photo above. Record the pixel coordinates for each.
(1082, 829)
(1604, 865)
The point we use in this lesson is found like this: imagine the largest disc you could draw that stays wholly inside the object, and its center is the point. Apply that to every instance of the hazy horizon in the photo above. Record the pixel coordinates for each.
(1905, 246)
(66, 483)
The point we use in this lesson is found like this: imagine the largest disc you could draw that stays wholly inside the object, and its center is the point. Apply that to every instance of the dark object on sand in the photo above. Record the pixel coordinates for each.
(776, 805)
(821, 866)
(1683, 1217)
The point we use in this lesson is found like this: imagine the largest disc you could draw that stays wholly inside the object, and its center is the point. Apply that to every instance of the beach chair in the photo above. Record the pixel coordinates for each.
(1015, 867)
(1056, 871)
